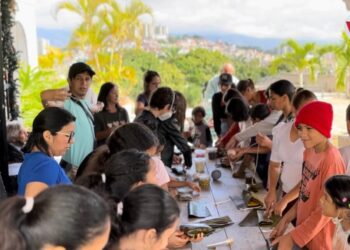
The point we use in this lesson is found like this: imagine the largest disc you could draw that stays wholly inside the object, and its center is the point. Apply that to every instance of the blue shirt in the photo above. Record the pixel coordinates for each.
(84, 133)
(38, 167)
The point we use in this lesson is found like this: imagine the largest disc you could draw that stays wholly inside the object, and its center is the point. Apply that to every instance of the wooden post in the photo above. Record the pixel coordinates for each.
(3, 137)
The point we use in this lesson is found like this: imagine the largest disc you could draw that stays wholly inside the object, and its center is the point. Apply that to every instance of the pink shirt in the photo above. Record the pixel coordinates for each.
(161, 173)
(313, 229)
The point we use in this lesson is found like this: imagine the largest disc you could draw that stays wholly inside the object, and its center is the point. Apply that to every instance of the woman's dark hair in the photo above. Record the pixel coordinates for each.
(147, 207)
(301, 96)
(67, 216)
(238, 109)
(180, 106)
(52, 119)
(147, 79)
(122, 170)
(338, 188)
(104, 91)
(348, 113)
(231, 93)
(161, 97)
(128, 136)
(260, 111)
(243, 85)
(132, 135)
(283, 87)
(198, 109)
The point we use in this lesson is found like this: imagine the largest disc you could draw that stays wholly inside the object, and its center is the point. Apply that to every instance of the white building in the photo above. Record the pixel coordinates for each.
(24, 32)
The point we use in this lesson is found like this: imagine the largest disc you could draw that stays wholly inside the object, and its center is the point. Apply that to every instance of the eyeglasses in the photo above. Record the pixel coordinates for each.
(68, 135)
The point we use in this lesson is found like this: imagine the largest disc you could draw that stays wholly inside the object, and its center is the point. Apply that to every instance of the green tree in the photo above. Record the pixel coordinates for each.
(299, 57)
(342, 53)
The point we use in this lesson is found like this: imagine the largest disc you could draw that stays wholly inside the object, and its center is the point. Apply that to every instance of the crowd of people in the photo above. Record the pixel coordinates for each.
(112, 188)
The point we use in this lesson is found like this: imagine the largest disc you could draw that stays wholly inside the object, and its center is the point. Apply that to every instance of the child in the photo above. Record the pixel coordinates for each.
(345, 151)
(335, 203)
(321, 161)
(201, 136)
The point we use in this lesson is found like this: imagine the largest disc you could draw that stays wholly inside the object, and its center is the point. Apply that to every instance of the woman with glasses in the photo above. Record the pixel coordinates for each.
(52, 135)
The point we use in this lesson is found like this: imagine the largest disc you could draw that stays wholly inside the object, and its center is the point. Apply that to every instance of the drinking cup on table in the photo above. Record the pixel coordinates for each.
(204, 181)
(212, 152)
(199, 164)
(199, 153)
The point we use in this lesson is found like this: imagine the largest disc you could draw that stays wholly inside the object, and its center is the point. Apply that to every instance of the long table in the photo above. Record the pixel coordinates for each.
(218, 202)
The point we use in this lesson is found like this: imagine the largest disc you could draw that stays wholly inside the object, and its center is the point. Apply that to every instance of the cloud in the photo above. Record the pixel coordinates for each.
(299, 19)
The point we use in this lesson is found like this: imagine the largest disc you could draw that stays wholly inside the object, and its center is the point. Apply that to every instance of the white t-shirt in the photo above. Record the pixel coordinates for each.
(345, 153)
(289, 153)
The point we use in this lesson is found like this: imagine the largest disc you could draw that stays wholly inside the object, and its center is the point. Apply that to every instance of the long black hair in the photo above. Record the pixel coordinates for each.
(147, 79)
(146, 207)
(52, 119)
(104, 91)
(67, 216)
(238, 109)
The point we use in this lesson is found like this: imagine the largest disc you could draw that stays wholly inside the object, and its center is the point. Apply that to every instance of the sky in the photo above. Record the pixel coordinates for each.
(280, 19)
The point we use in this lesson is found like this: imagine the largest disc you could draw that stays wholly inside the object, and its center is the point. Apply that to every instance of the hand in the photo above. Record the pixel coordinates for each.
(280, 206)
(284, 242)
(263, 140)
(61, 94)
(178, 239)
(186, 134)
(279, 229)
(177, 159)
(270, 200)
(194, 186)
(234, 154)
(231, 143)
(197, 238)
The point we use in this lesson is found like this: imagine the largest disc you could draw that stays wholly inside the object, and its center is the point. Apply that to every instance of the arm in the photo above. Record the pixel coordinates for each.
(208, 137)
(175, 184)
(273, 176)
(34, 188)
(290, 196)
(139, 107)
(54, 95)
(215, 104)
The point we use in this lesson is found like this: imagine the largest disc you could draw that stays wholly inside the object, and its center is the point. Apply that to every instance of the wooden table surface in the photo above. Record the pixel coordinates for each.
(244, 238)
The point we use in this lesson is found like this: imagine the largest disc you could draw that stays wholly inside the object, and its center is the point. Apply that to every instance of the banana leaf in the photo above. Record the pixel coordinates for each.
(197, 209)
(263, 221)
(218, 222)
(193, 229)
(250, 201)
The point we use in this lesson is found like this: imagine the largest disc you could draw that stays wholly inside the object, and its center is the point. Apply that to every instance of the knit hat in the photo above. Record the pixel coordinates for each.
(318, 115)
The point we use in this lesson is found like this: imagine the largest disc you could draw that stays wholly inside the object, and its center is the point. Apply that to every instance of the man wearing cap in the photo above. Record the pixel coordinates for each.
(79, 80)
(213, 85)
(218, 105)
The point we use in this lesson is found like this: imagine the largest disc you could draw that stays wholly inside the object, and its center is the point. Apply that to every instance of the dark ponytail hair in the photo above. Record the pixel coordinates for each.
(283, 87)
(146, 207)
(232, 93)
(147, 79)
(122, 170)
(260, 111)
(52, 119)
(243, 85)
(104, 91)
(67, 216)
(128, 136)
(238, 109)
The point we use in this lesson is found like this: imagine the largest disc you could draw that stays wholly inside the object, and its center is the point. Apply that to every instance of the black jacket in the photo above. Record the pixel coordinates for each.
(218, 111)
(148, 119)
(170, 130)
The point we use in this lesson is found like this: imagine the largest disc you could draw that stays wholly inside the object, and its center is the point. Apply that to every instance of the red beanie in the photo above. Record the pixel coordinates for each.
(318, 115)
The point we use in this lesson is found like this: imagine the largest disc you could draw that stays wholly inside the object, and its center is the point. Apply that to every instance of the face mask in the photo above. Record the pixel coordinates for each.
(165, 116)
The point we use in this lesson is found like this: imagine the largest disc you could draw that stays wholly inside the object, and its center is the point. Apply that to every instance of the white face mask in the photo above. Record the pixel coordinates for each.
(165, 116)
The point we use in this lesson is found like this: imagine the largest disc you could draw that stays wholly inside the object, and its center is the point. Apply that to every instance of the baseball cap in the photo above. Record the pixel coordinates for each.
(225, 79)
(78, 68)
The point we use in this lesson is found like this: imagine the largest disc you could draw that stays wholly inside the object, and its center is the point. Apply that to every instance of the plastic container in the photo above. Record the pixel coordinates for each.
(199, 164)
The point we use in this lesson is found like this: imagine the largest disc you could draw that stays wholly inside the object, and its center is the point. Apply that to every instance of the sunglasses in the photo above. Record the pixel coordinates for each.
(68, 135)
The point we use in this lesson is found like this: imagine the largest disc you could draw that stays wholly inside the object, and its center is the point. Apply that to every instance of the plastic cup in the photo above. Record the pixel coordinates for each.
(212, 153)
(199, 153)
(199, 164)
(204, 181)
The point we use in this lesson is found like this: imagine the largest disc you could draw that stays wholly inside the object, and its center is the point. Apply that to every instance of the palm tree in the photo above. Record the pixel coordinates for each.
(342, 54)
(299, 57)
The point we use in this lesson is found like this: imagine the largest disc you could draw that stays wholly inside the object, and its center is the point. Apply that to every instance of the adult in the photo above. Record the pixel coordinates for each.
(221, 125)
(212, 85)
(151, 82)
(247, 89)
(79, 79)
(112, 115)
(16, 138)
(62, 217)
(52, 134)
